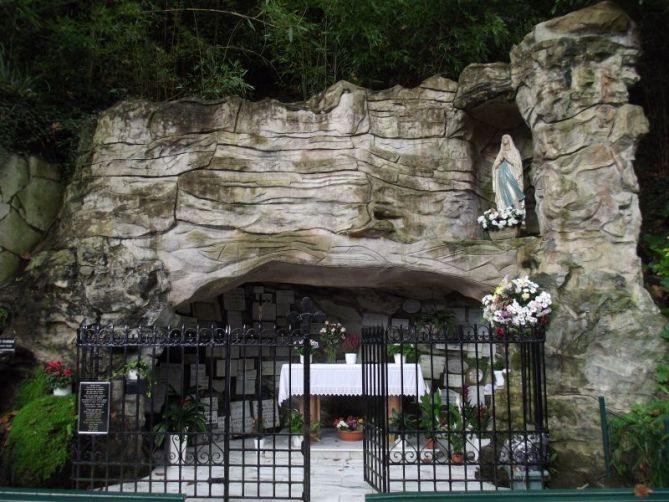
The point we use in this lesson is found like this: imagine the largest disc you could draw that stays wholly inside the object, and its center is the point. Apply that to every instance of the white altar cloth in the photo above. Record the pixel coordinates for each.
(346, 380)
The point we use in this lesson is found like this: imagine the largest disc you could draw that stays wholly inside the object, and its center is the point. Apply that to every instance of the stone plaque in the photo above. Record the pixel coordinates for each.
(234, 300)
(94, 407)
(7, 345)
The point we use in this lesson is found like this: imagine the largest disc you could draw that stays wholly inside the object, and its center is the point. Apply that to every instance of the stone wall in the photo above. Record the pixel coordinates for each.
(175, 202)
(30, 197)
(572, 76)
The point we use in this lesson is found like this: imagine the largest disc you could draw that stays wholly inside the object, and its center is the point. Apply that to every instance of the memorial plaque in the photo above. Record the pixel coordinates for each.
(94, 407)
(234, 300)
(7, 345)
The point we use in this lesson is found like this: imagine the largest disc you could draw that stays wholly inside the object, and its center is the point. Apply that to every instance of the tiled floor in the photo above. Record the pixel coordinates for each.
(336, 474)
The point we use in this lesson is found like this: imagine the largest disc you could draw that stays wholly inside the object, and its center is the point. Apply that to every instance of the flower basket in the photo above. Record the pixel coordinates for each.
(505, 233)
(349, 435)
(502, 223)
(517, 304)
(349, 429)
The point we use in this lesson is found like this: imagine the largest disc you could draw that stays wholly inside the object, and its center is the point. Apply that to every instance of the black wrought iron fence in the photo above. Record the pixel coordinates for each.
(194, 411)
(454, 408)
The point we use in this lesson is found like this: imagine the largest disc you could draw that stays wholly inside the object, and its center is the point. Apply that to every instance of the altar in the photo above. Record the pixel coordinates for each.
(346, 380)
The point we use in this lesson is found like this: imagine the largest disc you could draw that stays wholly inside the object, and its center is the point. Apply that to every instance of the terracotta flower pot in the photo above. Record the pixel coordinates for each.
(457, 458)
(349, 435)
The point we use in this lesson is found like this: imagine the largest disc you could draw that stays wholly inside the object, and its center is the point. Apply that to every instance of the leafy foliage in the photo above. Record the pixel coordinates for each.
(179, 417)
(32, 388)
(40, 439)
(639, 439)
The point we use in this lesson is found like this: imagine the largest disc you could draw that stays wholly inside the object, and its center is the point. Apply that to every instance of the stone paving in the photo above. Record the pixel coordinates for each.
(336, 475)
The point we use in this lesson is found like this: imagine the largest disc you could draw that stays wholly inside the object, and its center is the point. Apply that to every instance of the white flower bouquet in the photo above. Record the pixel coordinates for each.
(499, 219)
(517, 303)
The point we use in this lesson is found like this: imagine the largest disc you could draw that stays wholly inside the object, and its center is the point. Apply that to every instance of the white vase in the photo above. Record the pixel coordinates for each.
(400, 359)
(311, 358)
(499, 378)
(133, 374)
(296, 442)
(351, 358)
(177, 453)
(62, 391)
(259, 443)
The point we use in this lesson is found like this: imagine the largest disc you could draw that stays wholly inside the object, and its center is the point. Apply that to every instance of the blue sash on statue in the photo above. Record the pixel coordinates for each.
(509, 191)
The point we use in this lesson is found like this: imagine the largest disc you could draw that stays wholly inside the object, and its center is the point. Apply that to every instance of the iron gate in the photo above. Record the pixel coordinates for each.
(189, 408)
(485, 430)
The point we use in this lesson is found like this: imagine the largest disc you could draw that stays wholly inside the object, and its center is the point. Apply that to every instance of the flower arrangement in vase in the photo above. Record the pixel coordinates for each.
(350, 428)
(351, 344)
(517, 303)
(502, 223)
(332, 334)
(300, 348)
(59, 378)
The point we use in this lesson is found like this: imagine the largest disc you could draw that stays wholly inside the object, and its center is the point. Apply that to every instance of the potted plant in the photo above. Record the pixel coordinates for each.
(59, 378)
(438, 422)
(180, 418)
(332, 334)
(432, 422)
(401, 423)
(349, 429)
(403, 352)
(476, 420)
(456, 447)
(299, 348)
(502, 223)
(351, 344)
(259, 431)
(436, 320)
(296, 427)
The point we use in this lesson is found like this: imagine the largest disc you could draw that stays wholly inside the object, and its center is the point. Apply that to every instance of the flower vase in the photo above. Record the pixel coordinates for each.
(331, 355)
(499, 378)
(505, 233)
(133, 375)
(400, 359)
(259, 443)
(296, 442)
(351, 358)
(311, 358)
(62, 391)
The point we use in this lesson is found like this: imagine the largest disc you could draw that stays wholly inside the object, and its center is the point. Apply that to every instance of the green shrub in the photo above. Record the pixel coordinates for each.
(39, 442)
(31, 388)
(639, 444)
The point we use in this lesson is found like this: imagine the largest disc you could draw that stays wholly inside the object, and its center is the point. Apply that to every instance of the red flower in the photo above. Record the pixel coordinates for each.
(500, 331)
(67, 372)
(53, 366)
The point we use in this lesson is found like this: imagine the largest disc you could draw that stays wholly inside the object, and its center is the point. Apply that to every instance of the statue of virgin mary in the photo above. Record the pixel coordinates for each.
(507, 176)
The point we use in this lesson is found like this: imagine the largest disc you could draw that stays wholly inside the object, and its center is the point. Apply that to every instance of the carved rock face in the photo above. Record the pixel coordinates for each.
(380, 189)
